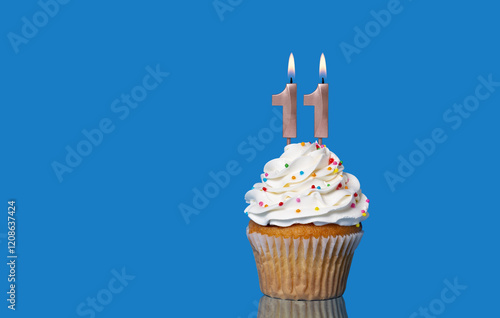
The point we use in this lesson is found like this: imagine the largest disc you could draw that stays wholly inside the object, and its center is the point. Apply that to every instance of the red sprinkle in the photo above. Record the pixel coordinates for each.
(355, 194)
(330, 161)
(313, 186)
(264, 188)
(280, 204)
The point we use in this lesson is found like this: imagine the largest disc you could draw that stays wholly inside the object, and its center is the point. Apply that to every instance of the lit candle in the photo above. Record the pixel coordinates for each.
(319, 99)
(288, 99)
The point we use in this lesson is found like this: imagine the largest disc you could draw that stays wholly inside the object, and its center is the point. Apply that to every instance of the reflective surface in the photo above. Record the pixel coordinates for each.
(280, 308)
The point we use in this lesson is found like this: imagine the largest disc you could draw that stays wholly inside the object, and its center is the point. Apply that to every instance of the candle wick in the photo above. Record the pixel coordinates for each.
(291, 80)
(323, 80)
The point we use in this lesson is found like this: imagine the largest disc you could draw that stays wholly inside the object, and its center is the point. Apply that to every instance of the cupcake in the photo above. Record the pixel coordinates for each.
(305, 223)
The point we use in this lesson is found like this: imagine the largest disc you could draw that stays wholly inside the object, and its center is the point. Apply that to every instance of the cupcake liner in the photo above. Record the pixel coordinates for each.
(308, 269)
(281, 308)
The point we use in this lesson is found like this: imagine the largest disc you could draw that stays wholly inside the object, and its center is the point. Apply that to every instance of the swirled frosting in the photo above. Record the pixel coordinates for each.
(306, 184)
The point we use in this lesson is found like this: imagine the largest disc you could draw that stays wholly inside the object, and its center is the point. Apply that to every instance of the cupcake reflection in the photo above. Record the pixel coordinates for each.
(280, 308)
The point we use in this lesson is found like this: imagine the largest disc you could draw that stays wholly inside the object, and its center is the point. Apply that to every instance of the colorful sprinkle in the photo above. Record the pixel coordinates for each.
(303, 144)
(298, 200)
(266, 206)
(363, 211)
(286, 165)
(340, 163)
(346, 187)
(261, 203)
(266, 174)
(357, 225)
(264, 189)
(328, 185)
(313, 187)
(355, 194)
(336, 170)
(301, 173)
(298, 210)
(353, 205)
(331, 161)
(316, 208)
(368, 201)
(313, 174)
(280, 204)
(319, 188)
(265, 179)
(293, 178)
(363, 214)
(329, 168)
(322, 146)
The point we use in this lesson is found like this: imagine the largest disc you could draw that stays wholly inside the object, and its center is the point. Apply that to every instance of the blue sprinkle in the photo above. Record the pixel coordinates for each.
(318, 187)
(302, 172)
(265, 179)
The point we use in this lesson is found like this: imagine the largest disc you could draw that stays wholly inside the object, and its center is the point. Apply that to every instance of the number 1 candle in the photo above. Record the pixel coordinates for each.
(319, 99)
(288, 99)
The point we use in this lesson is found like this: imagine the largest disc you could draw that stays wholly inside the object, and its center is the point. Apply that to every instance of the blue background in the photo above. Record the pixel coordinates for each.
(119, 208)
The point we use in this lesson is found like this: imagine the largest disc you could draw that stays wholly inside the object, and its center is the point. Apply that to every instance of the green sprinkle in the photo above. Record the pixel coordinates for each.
(286, 165)
(328, 185)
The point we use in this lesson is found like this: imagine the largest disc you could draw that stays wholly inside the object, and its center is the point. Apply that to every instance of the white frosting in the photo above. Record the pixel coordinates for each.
(335, 198)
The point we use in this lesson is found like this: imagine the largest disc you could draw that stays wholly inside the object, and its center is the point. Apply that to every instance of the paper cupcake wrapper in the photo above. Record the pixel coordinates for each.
(307, 269)
(281, 308)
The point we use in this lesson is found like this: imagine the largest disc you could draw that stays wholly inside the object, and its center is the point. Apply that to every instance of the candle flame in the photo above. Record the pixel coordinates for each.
(291, 66)
(322, 66)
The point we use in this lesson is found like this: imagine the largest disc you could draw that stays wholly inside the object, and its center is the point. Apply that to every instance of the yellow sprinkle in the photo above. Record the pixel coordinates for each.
(316, 208)
(313, 175)
(357, 225)
(346, 187)
(329, 168)
(298, 210)
(293, 177)
(336, 170)
(364, 214)
(266, 206)
(303, 144)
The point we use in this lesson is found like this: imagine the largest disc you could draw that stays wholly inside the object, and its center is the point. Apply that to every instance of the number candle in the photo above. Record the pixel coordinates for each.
(288, 99)
(319, 99)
